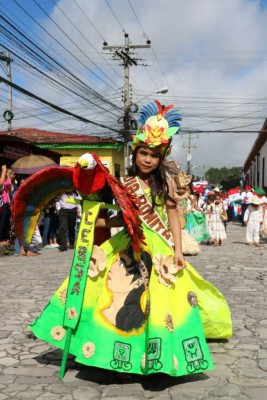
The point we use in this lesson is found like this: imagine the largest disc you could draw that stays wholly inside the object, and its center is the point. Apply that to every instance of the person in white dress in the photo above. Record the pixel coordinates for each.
(253, 219)
(218, 216)
(246, 196)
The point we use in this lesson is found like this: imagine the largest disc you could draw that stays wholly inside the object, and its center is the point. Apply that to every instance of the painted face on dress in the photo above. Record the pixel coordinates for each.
(147, 160)
(120, 280)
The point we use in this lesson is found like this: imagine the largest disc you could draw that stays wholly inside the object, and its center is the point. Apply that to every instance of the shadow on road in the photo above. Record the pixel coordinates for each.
(154, 382)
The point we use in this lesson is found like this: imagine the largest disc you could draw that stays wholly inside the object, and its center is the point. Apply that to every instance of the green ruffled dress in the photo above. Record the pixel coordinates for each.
(139, 318)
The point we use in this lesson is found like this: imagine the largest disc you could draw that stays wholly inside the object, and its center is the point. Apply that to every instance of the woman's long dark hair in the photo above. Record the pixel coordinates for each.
(157, 181)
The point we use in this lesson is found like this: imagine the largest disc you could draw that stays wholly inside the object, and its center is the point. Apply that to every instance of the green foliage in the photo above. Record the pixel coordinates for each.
(225, 177)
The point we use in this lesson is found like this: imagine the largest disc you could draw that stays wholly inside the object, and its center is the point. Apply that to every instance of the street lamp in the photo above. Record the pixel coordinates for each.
(163, 90)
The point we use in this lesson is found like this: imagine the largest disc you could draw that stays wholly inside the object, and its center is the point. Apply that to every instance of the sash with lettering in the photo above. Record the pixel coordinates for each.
(149, 217)
(80, 264)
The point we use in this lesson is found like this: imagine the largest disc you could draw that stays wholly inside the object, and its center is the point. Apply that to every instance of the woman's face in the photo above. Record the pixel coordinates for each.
(118, 279)
(147, 160)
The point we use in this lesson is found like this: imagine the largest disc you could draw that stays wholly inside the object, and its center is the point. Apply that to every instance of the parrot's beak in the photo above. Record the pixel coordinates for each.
(83, 163)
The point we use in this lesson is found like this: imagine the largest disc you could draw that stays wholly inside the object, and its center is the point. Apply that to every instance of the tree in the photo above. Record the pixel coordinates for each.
(225, 177)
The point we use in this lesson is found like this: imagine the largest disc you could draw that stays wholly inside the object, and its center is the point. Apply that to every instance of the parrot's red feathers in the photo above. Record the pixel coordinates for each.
(89, 181)
(129, 207)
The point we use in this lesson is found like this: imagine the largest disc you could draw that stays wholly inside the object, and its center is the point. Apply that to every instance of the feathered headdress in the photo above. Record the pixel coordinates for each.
(158, 125)
(182, 179)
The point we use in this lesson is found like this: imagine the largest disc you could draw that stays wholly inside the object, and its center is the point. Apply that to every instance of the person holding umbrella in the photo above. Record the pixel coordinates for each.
(28, 165)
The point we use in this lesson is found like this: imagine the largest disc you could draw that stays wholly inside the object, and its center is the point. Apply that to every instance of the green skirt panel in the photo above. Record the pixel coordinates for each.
(128, 327)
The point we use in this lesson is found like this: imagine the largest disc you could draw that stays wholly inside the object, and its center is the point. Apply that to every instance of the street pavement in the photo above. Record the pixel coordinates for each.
(29, 367)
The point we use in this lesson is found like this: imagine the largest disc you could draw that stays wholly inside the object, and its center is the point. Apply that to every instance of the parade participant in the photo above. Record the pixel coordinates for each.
(184, 208)
(246, 196)
(253, 219)
(217, 218)
(207, 207)
(141, 315)
(226, 203)
(197, 224)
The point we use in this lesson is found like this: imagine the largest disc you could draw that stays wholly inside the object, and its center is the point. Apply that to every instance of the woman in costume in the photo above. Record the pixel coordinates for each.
(217, 217)
(140, 312)
(184, 210)
(207, 208)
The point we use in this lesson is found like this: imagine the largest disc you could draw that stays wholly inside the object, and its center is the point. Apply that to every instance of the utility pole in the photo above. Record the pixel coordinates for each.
(189, 146)
(122, 53)
(8, 114)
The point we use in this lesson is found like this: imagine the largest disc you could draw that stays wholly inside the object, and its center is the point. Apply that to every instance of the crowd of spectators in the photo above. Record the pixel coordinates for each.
(59, 221)
(57, 226)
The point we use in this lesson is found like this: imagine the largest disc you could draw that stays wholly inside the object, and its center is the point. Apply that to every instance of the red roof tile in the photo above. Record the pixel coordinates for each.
(40, 136)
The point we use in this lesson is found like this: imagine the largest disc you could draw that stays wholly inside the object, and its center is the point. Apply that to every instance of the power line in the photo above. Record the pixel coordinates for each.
(115, 16)
(27, 93)
(155, 55)
(77, 59)
(72, 41)
(83, 52)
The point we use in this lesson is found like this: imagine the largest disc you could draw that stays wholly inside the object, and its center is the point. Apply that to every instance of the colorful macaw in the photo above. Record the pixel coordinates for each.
(90, 178)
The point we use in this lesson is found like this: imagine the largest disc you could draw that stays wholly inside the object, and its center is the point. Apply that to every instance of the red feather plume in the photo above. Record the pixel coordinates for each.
(162, 110)
(129, 207)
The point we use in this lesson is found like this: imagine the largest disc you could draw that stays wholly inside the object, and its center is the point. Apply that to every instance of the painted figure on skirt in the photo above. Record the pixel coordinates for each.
(135, 305)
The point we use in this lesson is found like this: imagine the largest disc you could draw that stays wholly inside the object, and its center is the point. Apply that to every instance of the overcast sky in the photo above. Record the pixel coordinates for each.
(211, 54)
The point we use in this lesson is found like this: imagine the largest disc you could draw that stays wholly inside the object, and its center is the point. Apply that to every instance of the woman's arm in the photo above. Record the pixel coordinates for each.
(190, 209)
(113, 222)
(3, 174)
(175, 227)
(196, 206)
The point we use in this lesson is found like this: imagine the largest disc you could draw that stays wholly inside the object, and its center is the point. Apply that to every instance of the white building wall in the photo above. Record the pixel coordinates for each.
(263, 166)
(257, 173)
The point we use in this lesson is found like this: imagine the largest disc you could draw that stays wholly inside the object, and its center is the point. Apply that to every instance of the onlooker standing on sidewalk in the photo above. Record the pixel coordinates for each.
(253, 219)
(19, 248)
(78, 220)
(50, 226)
(67, 213)
(5, 212)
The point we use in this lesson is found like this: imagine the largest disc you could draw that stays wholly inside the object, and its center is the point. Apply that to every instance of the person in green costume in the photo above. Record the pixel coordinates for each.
(142, 314)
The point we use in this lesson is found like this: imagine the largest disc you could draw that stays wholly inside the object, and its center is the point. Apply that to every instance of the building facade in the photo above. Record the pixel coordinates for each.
(69, 147)
(255, 167)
